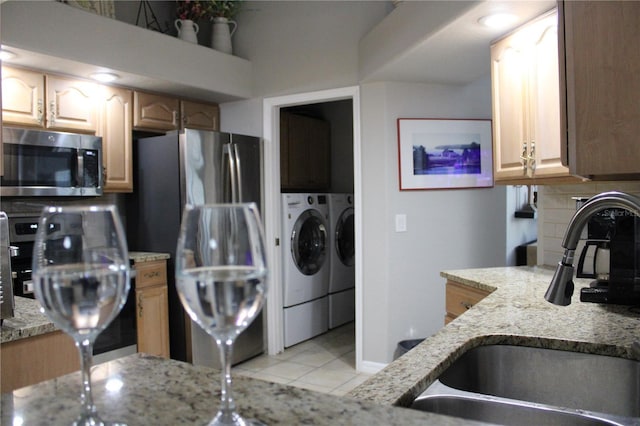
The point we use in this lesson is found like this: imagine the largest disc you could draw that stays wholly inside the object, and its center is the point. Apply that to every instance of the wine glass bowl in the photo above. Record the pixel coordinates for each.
(221, 278)
(81, 273)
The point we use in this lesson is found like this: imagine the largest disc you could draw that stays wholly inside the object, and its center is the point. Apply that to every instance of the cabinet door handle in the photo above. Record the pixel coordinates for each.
(152, 274)
(52, 108)
(524, 158)
(532, 157)
(466, 305)
(40, 111)
(139, 305)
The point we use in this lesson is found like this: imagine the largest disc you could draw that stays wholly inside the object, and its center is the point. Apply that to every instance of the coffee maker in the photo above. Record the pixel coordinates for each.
(615, 235)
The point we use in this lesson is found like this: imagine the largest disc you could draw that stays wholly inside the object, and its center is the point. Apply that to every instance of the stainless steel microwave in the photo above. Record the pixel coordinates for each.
(42, 163)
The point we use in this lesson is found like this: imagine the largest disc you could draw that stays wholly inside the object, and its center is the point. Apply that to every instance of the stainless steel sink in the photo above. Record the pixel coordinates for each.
(517, 385)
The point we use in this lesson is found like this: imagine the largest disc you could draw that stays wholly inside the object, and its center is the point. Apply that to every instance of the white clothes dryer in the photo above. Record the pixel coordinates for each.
(342, 269)
(306, 266)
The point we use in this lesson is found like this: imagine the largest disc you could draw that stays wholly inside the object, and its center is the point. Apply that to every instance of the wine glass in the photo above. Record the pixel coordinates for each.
(81, 279)
(221, 277)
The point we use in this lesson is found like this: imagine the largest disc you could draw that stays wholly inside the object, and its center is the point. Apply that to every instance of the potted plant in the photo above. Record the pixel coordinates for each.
(221, 8)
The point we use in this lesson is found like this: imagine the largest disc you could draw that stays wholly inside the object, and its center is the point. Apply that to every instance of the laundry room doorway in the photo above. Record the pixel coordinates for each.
(340, 173)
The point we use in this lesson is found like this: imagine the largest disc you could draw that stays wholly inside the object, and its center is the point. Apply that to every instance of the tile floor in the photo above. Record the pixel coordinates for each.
(325, 363)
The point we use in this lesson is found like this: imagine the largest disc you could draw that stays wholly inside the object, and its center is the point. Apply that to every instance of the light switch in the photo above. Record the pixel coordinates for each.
(401, 223)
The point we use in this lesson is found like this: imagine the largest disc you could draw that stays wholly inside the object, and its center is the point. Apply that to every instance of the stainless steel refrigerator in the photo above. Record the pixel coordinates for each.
(195, 167)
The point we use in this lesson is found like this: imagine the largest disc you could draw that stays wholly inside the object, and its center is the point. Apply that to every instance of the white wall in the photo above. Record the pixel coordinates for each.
(297, 47)
(302, 46)
(450, 229)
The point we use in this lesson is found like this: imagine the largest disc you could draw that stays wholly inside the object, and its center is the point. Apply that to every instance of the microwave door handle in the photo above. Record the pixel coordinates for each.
(79, 181)
(236, 155)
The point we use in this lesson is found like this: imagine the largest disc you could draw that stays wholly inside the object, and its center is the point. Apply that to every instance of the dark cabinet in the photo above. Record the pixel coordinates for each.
(305, 153)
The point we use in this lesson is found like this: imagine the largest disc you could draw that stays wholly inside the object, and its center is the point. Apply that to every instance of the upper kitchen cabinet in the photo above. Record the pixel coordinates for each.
(33, 99)
(163, 113)
(70, 104)
(198, 115)
(305, 153)
(115, 119)
(22, 97)
(155, 112)
(526, 105)
(600, 78)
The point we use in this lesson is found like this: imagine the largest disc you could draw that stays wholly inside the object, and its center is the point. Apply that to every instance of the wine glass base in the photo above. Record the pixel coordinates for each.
(233, 419)
(95, 420)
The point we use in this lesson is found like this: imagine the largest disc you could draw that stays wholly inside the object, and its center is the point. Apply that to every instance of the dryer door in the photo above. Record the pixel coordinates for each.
(345, 237)
(309, 242)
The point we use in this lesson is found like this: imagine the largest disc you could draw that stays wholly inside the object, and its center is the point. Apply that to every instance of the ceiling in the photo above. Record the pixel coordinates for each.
(453, 49)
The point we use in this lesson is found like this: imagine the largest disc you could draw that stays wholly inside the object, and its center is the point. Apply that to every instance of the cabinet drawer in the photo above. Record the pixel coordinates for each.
(460, 298)
(151, 273)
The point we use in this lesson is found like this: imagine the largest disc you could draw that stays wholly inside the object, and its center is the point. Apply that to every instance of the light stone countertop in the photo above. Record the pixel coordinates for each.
(515, 313)
(29, 321)
(161, 392)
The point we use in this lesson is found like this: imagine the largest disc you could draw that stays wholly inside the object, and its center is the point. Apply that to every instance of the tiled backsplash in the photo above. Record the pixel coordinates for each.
(556, 207)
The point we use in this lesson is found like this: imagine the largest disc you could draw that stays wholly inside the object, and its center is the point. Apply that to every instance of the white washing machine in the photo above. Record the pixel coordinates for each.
(342, 301)
(306, 266)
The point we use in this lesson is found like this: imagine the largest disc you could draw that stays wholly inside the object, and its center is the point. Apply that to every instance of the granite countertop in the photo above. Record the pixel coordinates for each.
(514, 313)
(144, 256)
(156, 391)
(29, 321)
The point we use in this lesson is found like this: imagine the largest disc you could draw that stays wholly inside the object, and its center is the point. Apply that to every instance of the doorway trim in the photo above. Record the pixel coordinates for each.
(273, 223)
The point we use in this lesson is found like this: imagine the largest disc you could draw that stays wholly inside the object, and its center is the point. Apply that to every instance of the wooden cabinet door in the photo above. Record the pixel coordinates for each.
(22, 97)
(601, 80)
(197, 115)
(508, 72)
(155, 112)
(115, 120)
(152, 306)
(544, 100)
(460, 298)
(70, 104)
(153, 325)
(38, 358)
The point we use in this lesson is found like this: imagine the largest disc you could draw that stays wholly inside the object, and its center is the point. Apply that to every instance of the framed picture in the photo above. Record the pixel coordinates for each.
(444, 153)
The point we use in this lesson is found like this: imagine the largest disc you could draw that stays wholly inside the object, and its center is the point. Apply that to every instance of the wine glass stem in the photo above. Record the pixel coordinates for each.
(228, 404)
(86, 359)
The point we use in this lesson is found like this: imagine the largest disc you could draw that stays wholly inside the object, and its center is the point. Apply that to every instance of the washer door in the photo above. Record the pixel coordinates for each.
(309, 242)
(345, 237)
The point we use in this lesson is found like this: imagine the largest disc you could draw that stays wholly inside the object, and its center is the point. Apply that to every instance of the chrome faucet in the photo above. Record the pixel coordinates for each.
(561, 288)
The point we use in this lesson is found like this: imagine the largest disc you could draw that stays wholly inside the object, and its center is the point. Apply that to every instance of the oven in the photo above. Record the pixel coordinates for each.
(118, 339)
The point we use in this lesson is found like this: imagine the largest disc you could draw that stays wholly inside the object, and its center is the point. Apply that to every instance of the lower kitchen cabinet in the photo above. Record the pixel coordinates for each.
(460, 298)
(34, 359)
(152, 307)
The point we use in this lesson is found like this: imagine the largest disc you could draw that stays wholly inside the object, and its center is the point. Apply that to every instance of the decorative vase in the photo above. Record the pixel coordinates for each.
(223, 29)
(187, 30)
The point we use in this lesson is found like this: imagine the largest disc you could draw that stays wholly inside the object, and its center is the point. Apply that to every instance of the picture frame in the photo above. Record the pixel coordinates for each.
(436, 153)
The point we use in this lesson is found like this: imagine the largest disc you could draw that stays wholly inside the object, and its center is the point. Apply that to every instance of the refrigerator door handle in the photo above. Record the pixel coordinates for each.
(229, 152)
(238, 170)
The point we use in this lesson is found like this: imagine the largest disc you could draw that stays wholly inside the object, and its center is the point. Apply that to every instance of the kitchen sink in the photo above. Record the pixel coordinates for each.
(523, 385)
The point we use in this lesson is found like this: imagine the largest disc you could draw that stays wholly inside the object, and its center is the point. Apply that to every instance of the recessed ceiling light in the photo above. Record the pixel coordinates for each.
(5, 55)
(498, 20)
(104, 77)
